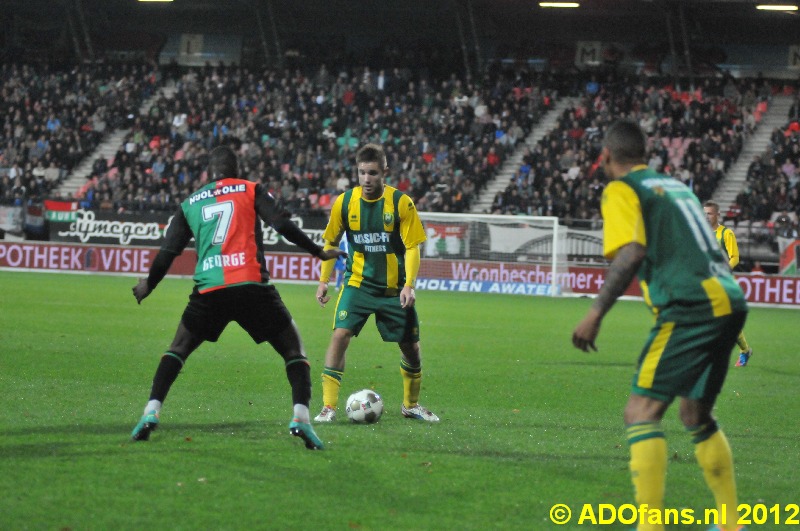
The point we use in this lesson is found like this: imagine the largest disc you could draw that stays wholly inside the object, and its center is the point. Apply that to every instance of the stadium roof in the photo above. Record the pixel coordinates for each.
(706, 21)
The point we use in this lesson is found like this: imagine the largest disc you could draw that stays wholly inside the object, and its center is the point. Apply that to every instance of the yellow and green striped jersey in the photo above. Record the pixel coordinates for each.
(378, 233)
(727, 242)
(684, 276)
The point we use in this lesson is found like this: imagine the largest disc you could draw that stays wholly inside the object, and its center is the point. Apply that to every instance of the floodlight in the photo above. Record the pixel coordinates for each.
(776, 7)
(559, 4)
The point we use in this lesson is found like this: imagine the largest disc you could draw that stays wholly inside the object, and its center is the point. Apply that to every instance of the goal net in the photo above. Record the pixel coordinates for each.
(494, 254)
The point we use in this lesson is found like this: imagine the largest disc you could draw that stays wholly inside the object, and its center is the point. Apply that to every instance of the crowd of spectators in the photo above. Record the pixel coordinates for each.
(50, 119)
(694, 136)
(297, 133)
(772, 195)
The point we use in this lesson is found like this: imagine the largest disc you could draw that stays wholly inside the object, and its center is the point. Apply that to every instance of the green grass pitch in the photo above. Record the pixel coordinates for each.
(527, 421)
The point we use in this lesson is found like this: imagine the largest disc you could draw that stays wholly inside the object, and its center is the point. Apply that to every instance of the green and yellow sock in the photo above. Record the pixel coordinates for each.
(412, 381)
(716, 459)
(648, 467)
(331, 382)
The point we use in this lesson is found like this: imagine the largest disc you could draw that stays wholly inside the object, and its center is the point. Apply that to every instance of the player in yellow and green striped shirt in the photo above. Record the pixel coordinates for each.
(383, 232)
(727, 242)
(654, 228)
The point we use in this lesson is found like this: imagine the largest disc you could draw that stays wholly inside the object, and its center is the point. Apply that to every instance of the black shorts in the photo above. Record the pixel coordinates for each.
(257, 308)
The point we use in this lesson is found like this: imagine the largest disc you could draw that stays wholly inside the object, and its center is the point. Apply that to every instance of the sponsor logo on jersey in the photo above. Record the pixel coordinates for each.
(667, 184)
(371, 237)
(216, 192)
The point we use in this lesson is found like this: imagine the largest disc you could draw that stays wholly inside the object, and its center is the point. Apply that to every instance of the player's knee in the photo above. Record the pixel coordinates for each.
(295, 357)
(341, 337)
(692, 421)
(290, 351)
(643, 409)
(184, 342)
(693, 416)
(411, 352)
(181, 349)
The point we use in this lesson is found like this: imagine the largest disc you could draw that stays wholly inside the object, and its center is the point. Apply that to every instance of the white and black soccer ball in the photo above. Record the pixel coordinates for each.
(364, 407)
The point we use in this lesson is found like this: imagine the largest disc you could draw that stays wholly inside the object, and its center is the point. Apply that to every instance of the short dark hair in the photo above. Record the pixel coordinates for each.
(372, 153)
(626, 141)
(222, 163)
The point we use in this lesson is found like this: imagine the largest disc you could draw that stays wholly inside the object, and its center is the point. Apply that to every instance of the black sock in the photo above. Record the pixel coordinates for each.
(298, 371)
(168, 369)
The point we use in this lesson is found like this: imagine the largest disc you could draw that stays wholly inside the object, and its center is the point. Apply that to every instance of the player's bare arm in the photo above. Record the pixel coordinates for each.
(175, 241)
(279, 220)
(158, 271)
(327, 270)
(620, 274)
(322, 294)
(407, 297)
(332, 254)
(141, 290)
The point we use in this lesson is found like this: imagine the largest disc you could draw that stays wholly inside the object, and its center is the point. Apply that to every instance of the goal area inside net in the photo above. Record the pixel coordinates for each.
(501, 254)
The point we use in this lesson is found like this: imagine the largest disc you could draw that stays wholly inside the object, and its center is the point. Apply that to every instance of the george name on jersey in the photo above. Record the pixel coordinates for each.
(216, 192)
(223, 260)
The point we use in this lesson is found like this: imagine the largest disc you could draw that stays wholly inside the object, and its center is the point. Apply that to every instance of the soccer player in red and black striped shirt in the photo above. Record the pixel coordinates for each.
(231, 284)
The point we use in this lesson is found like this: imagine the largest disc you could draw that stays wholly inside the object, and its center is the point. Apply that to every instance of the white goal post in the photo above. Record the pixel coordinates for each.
(499, 254)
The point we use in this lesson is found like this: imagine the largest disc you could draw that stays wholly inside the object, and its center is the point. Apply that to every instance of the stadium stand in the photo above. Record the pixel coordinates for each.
(297, 134)
(50, 119)
(695, 136)
(446, 138)
(771, 198)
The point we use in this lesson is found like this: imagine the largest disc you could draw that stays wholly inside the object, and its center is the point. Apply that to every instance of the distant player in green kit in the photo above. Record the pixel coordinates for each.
(383, 232)
(231, 284)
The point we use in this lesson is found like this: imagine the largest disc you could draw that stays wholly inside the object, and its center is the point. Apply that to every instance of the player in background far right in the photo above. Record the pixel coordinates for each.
(727, 241)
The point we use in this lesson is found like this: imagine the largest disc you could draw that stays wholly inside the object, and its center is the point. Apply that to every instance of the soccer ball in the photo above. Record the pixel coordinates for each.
(364, 407)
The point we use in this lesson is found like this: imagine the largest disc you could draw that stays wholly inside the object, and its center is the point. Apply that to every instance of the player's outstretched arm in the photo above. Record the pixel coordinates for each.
(332, 254)
(278, 219)
(158, 271)
(619, 277)
(141, 290)
(295, 234)
(326, 270)
(175, 241)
